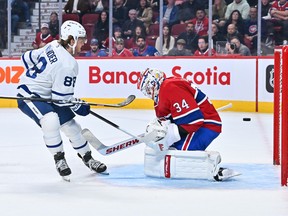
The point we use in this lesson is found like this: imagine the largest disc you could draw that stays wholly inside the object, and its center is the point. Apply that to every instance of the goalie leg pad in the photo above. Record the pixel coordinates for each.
(181, 164)
(73, 131)
(50, 125)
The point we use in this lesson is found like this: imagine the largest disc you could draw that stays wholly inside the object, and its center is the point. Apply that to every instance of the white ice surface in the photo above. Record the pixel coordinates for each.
(30, 185)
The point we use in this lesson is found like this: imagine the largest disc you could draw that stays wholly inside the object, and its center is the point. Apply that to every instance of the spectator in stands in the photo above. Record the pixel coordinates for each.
(154, 4)
(145, 14)
(251, 31)
(101, 28)
(216, 34)
(97, 6)
(131, 4)
(120, 50)
(132, 42)
(80, 7)
(265, 8)
(240, 5)
(201, 22)
(253, 3)
(95, 51)
(233, 32)
(1, 54)
(235, 18)
(204, 4)
(116, 34)
(203, 47)
(180, 50)
(167, 42)
(170, 12)
(54, 25)
(178, 2)
(266, 34)
(120, 13)
(20, 11)
(279, 17)
(190, 37)
(3, 24)
(236, 47)
(143, 49)
(187, 10)
(129, 25)
(218, 12)
(228, 2)
(43, 37)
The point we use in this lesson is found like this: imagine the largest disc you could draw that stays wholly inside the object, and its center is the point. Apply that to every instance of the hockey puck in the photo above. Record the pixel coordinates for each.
(246, 119)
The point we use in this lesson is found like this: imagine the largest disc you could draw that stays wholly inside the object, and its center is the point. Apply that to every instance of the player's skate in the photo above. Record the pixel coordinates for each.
(225, 173)
(93, 164)
(62, 166)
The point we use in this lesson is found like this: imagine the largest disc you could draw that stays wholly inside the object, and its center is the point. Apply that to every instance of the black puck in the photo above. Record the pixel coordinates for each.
(246, 119)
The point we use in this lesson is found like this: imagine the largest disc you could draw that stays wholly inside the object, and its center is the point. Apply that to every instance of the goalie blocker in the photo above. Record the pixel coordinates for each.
(185, 165)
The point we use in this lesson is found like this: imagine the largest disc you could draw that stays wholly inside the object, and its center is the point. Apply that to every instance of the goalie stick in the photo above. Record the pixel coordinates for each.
(107, 150)
(126, 102)
(119, 146)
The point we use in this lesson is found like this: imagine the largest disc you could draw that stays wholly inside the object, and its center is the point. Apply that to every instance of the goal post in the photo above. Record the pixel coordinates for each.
(280, 117)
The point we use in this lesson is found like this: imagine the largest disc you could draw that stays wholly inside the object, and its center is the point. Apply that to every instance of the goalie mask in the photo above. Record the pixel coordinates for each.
(73, 28)
(149, 83)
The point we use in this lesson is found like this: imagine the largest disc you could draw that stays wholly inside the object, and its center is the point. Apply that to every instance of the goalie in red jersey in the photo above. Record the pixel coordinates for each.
(193, 121)
(186, 121)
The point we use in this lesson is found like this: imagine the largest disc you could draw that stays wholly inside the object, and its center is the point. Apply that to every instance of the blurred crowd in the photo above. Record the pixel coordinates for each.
(184, 32)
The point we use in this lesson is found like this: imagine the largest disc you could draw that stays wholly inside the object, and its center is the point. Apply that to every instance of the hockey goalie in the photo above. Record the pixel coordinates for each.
(186, 124)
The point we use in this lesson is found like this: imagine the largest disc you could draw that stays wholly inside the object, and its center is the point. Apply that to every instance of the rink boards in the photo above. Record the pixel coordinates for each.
(246, 82)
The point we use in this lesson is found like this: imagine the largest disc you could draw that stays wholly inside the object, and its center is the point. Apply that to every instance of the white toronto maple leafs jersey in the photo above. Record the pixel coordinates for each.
(50, 73)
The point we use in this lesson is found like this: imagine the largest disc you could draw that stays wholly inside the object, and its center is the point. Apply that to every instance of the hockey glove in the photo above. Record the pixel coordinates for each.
(172, 135)
(168, 132)
(82, 109)
(156, 128)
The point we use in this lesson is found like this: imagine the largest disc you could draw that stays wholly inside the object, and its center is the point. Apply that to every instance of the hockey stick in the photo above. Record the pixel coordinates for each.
(224, 107)
(110, 123)
(126, 102)
(107, 150)
(119, 146)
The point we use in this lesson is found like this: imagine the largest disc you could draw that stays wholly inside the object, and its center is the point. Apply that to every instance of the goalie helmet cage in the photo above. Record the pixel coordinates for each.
(280, 118)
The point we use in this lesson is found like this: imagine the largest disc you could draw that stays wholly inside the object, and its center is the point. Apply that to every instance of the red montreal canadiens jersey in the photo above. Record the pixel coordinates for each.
(39, 39)
(124, 53)
(277, 6)
(186, 105)
(205, 53)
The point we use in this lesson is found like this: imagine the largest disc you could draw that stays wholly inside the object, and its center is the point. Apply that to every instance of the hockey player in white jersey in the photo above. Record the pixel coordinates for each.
(51, 73)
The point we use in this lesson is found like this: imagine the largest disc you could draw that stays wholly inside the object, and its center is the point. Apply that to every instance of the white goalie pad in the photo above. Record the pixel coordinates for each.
(181, 164)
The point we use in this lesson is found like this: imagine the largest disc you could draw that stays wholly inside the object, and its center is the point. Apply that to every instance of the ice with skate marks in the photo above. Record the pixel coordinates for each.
(68, 178)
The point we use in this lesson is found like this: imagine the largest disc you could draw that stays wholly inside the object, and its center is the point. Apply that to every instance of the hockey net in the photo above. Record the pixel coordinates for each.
(280, 135)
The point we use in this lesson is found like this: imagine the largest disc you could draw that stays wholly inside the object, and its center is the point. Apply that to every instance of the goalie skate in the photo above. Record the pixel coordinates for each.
(225, 174)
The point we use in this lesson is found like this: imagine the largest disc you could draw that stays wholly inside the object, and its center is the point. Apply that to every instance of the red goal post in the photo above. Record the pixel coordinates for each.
(280, 118)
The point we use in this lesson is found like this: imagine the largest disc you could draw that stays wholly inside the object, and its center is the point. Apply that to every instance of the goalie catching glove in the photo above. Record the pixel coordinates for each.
(80, 108)
(162, 134)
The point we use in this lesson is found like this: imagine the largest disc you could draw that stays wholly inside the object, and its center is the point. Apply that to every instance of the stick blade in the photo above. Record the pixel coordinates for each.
(111, 149)
(126, 102)
(224, 107)
(89, 136)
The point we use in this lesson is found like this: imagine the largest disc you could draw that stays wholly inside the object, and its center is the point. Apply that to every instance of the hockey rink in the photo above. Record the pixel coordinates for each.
(30, 185)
